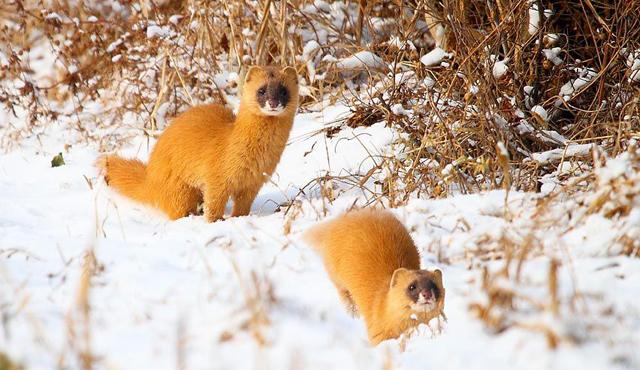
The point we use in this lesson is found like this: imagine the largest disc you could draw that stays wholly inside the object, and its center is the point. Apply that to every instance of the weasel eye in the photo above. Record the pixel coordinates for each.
(412, 287)
(283, 93)
(262, 91)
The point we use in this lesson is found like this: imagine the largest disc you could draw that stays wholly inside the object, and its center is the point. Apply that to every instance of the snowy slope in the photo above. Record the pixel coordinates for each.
(246, 293)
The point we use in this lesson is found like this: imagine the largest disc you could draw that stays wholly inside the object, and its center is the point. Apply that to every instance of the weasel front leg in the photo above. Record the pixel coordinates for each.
(345, 297)
(347, 300)
(242, 201)
(215, 200)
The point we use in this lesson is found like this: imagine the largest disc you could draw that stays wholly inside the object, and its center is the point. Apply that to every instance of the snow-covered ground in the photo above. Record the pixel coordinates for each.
(246, 293)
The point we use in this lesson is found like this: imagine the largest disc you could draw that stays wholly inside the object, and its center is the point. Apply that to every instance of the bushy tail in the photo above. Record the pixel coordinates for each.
(127, 176)
(315, 236)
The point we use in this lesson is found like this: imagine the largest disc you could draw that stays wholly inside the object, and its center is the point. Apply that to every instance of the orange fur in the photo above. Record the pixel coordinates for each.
(372, 260)
(208, 154)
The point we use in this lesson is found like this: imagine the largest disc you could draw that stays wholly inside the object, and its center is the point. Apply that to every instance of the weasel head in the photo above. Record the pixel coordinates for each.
(420, 290)
(270, 91)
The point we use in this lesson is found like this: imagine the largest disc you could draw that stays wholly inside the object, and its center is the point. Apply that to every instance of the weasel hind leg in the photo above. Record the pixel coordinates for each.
(179, 199)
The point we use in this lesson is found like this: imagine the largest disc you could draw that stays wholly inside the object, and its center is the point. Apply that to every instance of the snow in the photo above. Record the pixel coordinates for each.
(527, 89)
(534, 19)
(503, 149)
(246, 292)
(633, 62)
(309, 50)
(434, 57)
(401, 44)
(551, 39)
(500, 67)
(568, 89)
(552, 136)
(616, 167)
(572, 150)
(157, 31)
(540, 111)
(398, 109)
(382, 25)
(322, 5)
(111, 47)
(53, 16)
(553, 55)
(329, 58)
(429, 82)
(175, 19)
(360, 60)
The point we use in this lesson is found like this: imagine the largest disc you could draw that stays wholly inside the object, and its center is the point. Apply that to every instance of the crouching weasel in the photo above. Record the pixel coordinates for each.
(374, 264)
(209, 154)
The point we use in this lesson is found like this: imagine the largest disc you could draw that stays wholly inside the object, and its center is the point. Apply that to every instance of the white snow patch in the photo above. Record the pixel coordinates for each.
(360, 60)
(401, 44)
(157, 31)
(500, 67)
(540, 111)
(429, 82)
(53, 16)
(550, 39)
(434, 57)
(175, 19)
(382, 25)
(527, 89)
(633, 62)
(534, 19)
(329, 58)
(585, 75)
(503, 149)
(553, 55)
(309, 50)
(552, 136)
(115, 44)
(399, 110)
(554, 155)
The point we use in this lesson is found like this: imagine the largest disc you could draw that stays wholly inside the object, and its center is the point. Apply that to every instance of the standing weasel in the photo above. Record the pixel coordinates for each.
(209, 154)
(374, 264)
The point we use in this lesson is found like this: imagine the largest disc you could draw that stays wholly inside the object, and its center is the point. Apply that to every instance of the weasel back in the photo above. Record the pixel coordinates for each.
(371, 237)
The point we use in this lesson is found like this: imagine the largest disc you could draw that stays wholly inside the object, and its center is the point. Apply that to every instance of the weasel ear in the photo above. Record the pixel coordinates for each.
(291, 73)
(438, 276)
(250, 73)
(397, 274)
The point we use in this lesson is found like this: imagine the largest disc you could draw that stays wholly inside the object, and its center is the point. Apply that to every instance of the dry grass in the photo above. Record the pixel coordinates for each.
(259, 298)
(464, 113)
(7, 364)
(145, 63)
(512, 299)
(78, 319)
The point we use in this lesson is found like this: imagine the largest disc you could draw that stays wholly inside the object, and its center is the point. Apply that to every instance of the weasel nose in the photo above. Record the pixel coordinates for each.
(427, 293)
(273, 103)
